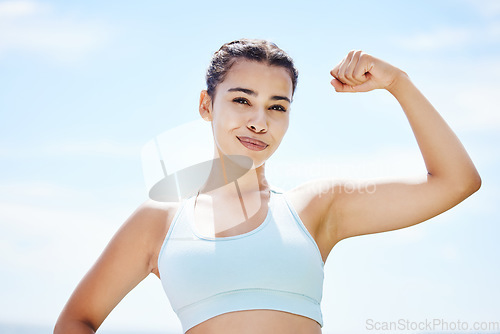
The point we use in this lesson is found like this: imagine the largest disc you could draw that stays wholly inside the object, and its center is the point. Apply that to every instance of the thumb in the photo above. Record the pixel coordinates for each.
(364, 87)
(342, 87)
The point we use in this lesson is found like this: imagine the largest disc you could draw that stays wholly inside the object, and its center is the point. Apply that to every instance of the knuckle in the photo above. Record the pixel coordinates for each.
(364, 56)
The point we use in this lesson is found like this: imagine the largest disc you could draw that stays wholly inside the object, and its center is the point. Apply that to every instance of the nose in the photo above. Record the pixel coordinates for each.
(258, 122)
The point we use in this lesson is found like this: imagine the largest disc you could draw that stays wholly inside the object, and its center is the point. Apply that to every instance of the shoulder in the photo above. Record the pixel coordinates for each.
(151, 212)
(154, 217)
(147, 226)
(150, 216)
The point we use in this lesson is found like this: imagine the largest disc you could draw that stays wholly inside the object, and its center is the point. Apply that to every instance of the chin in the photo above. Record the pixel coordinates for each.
(245, 158)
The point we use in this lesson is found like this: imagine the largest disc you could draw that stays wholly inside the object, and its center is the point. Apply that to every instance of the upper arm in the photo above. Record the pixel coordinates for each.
(123, 264)
(365, 208)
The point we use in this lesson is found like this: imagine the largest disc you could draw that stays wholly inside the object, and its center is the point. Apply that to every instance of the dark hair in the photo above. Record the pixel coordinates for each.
(252, 49)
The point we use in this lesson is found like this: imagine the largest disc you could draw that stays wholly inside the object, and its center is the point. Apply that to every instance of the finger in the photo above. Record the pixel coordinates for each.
(343, 68)
(351, 74)
(365, 64)
(336, 70)
(341, 87)
(339, 68)
(366, 86)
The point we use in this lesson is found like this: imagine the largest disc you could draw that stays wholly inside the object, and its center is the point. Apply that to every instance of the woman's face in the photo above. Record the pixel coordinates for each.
(250, 110)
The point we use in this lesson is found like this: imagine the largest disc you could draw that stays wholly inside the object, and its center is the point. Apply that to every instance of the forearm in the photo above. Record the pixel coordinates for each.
(444, 155)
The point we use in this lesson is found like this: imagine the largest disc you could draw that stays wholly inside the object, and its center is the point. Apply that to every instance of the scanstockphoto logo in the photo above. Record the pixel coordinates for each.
(348, 187)
(432, 325)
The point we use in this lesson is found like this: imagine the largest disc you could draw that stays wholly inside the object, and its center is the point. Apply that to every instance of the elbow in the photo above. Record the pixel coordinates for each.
(472, 185)
(464, 184)
(477, 183)
(461, 187)
(64, 326)
(58, 328)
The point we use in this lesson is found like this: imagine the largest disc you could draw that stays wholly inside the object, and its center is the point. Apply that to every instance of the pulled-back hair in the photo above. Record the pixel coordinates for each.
(251, 49)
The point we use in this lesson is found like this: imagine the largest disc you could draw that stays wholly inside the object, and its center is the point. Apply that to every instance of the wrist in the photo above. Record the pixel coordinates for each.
(401, 79)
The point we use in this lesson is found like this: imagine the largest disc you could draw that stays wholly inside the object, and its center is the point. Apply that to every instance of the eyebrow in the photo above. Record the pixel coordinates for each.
(253, 93)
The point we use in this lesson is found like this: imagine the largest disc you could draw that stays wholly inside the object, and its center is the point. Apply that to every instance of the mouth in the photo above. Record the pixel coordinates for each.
(252, 144)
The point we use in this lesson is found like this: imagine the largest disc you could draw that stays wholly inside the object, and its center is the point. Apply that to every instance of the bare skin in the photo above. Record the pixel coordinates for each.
(329, 210)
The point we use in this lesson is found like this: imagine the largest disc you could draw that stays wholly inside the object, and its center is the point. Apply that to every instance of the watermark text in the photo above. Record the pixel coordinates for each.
(435, 324)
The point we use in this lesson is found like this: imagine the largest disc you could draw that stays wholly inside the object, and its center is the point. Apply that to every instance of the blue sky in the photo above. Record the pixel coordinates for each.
(84, 85)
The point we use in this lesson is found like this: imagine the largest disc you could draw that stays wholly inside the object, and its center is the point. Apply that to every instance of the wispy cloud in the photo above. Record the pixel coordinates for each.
(451, 37)
(99, 147)
(479, 108)
(34, 216)
(28, 26)
(36, 191)
(11, 9)
(488, 8)
(467, 94)
(438, 39)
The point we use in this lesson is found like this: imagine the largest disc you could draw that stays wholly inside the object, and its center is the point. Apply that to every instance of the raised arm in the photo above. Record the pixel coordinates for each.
(451, 175)
(127, 260)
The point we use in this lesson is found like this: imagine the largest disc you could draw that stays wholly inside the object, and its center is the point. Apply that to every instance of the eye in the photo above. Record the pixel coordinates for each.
(278, 107)
(241, 100)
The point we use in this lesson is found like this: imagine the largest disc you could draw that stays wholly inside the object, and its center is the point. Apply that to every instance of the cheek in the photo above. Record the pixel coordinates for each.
(284, 127)
(225, 120)
(221, 128)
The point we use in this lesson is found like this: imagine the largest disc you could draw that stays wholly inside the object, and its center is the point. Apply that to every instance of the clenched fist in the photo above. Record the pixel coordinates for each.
(361, 72)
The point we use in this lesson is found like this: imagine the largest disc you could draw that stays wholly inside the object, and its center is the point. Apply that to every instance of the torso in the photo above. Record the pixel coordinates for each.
(266, 321)
(257, 321)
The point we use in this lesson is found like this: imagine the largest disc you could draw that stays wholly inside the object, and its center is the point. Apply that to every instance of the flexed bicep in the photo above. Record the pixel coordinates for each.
(451, 175)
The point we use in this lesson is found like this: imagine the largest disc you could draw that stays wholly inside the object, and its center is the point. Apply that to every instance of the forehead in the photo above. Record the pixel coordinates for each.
(261, 77)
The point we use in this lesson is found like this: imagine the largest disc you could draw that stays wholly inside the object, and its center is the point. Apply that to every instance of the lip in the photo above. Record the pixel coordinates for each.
(252, 143)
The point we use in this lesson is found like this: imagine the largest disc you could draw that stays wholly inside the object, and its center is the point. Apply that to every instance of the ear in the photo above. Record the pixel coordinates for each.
(205, 108)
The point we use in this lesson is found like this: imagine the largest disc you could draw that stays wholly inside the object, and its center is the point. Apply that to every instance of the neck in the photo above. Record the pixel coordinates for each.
(234, 180)
(235, 173)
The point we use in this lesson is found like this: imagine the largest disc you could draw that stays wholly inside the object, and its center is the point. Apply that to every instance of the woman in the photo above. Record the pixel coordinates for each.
(239, 257)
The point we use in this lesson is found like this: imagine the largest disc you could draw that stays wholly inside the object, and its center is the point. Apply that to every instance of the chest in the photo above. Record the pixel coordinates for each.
(275, 253)
(228, 218)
